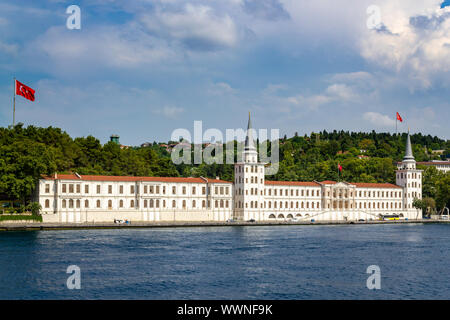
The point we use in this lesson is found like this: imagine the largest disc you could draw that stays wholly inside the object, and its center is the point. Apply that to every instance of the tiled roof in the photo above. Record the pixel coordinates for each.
(366, 185)
(292, 183)
(375, 185)
(328, 182)
(429, 163)
(131, 179)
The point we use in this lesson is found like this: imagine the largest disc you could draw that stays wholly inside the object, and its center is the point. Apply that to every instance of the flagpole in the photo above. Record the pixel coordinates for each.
(14, 103)
(396, 122)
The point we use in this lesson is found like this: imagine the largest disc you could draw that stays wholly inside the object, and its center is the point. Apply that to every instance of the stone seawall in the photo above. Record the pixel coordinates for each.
(7, 226)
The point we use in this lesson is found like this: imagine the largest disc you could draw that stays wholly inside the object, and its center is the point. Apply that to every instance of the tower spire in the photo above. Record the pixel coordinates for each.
(408, 152)
(249, 142)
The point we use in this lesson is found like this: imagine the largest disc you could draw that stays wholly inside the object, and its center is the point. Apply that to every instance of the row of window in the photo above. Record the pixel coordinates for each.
(148, 189)
(252, 180)
(152, 203)
(413, 175)
(253, 169)
(279, 204)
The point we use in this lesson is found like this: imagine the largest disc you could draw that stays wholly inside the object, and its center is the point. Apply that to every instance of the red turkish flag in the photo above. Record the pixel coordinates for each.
(399, 118)
(339, 167)
(24, 91)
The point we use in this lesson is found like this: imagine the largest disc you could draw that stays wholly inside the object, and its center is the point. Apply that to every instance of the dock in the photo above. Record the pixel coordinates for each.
(4, 226)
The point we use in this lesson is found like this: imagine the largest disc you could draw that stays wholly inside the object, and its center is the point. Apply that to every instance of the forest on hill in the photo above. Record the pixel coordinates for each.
(27, 153)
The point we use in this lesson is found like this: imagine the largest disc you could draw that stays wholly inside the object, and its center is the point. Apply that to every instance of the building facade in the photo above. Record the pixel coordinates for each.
(75, 199)
(443, 166)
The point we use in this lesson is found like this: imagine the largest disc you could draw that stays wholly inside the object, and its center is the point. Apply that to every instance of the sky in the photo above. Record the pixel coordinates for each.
(142, 68)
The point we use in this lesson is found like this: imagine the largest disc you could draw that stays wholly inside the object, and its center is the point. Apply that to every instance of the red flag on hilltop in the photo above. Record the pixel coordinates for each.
(24, 91)
(399, 118)
(339, 167)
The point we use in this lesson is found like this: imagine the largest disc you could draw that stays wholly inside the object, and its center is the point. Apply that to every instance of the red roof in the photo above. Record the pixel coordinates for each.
(328, 182)
(375, 185)
(131, 179)
(366, 185)
(292, 183)
(430, 163)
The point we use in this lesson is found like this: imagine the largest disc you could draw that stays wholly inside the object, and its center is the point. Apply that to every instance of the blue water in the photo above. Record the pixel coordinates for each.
(279, 262)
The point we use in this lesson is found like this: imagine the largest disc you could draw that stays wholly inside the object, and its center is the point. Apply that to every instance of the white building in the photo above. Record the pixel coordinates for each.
(87, 198)
(75, 198)
(443, 166)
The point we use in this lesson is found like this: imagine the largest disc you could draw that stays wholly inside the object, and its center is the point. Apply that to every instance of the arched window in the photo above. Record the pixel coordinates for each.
(78, 204)
(174, 204)
(184, 204)
(221, 203)
(47, 203)
(110, 204)
(64, 203)
(70, 203)
(151, 203)
(132, 204)
(145, 203)
(98, 203)
(86, 203)
(193, 204)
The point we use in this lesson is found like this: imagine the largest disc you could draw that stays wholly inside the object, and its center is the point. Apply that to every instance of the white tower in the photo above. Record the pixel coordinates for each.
(249, 182)
(410, 179)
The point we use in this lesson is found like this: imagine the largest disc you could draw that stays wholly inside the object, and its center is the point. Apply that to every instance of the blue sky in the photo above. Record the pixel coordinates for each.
(142, 69)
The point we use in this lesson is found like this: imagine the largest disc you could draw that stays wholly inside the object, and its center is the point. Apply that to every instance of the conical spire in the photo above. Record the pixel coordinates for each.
(408, 153)
(249, 142)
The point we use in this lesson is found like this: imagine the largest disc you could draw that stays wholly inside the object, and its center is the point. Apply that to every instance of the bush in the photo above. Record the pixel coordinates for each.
(34, 207)
(20, 217)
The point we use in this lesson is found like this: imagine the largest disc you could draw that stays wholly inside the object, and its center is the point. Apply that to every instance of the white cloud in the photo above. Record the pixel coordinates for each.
(169, 111)
(64, 51)
(337, 93)
(413, 43)
(378, 119)
(196, 26)
(11, 49)
(221, 88)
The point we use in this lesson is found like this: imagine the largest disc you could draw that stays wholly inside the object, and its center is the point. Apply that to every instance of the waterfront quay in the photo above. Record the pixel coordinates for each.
(18, 226)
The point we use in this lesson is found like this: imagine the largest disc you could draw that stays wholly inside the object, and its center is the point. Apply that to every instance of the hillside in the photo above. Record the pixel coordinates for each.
(26, 153)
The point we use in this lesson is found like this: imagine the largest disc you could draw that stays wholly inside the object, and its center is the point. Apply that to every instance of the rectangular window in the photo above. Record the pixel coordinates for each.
(71, 188)
(174, 190)
(184, 190)
(47, 188)
(193, 190)
(157, 189)
(151, 189)
(203, 190)
(145, 189)
(132, 189)
(98, 189)
(120, 189)
(86, 188)
(78, 188)
(64, 188)
(110, 189)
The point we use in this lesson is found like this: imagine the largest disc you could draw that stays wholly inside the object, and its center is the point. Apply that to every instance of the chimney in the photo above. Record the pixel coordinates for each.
(217, 178)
